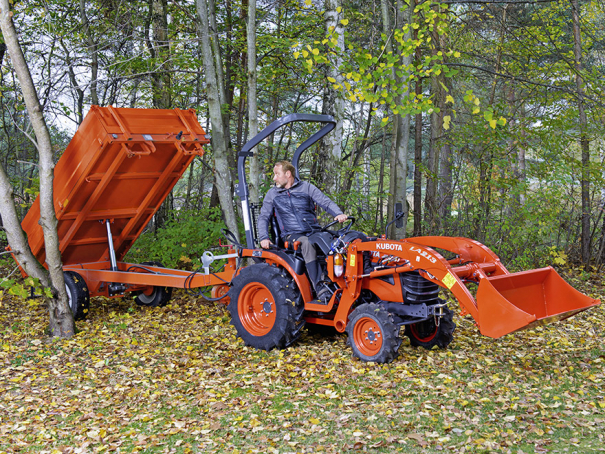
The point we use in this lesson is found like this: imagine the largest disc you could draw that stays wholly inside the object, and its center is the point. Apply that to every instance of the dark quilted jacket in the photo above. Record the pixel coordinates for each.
(294, 209)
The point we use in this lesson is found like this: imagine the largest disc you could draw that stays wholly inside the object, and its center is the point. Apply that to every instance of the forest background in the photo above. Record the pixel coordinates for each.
(485, 117)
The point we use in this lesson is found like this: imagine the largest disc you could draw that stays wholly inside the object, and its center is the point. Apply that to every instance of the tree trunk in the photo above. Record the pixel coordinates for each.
(74, 83)
(61, 317)
(446, 157)
(358, 148)
(401, 138)
(418, 169)
(93, 47)
(333, 104)
(432, 169)
(160, 51)
(379, 209)
(15, 235)
(521, 173)
(219, 133)
(252, 107)
(584, 142)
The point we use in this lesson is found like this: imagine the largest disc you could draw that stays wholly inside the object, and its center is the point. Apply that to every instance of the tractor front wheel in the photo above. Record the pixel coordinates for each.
(154, 296)
(427, 333)
(266, 307)
(373, 335)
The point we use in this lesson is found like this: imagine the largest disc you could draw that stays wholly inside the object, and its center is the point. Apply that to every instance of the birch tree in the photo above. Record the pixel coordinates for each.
(333, 103)
(61, 317)
(216, 99)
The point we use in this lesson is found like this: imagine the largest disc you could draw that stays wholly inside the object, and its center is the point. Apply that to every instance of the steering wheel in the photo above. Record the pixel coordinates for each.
(340, 231)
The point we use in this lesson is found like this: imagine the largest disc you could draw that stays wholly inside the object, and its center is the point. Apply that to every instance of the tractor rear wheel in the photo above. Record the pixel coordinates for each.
(266, 307)
(373, 334)
(427, 333)
(77, 292)
(154, 296)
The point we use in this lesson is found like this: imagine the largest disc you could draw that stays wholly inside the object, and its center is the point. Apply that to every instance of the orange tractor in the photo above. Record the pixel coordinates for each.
(381, 285)
(121, 165)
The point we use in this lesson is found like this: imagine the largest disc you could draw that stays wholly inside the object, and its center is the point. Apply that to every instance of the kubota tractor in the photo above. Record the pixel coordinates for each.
(381, 285)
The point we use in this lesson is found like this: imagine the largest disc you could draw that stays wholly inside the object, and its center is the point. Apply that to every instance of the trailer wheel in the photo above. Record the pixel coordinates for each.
(154, 296)
(220, 291)
(77, 292)
(373, 334)
(266, 307)
(427, 334)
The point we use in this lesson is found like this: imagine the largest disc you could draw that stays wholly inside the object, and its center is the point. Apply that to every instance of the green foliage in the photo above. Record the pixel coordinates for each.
(368, 75)
(23, 288)
(182, 241)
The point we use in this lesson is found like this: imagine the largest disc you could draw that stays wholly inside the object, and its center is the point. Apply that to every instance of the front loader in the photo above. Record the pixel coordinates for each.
(381, 285)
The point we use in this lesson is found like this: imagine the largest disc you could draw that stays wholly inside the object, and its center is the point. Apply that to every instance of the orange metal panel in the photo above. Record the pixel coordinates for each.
(529, 298)
(120, 165)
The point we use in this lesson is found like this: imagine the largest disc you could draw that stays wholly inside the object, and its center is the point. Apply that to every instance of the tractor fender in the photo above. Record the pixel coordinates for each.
(295, 266)
(323, 240)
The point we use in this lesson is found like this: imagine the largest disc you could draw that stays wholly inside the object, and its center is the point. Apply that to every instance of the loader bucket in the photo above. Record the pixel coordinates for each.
(517, 301)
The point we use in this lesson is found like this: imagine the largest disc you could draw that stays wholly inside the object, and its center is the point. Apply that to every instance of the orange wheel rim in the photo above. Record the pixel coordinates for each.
(220, 290)
(148, 291)
(256, 309)
(422, 333)
(367, 336)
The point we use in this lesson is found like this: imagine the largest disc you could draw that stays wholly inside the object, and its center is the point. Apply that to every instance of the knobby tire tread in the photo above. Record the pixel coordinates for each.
(444, 336)
(289, 307)
(390, 332)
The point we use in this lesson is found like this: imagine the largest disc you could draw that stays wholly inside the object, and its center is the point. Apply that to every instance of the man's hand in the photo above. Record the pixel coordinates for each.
(341, 218)
(265, 244)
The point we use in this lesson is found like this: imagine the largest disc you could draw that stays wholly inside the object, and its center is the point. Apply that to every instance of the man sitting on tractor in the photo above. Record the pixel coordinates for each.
(293, 202)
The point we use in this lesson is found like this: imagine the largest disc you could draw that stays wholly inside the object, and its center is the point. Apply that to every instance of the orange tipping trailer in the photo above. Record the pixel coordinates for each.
(112, 178)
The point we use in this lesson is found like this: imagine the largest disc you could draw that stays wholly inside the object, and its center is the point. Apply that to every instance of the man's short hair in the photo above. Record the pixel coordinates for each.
(287, 166)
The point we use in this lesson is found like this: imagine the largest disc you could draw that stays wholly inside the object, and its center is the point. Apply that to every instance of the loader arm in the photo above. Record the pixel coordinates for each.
(505, 302)
(431, 265)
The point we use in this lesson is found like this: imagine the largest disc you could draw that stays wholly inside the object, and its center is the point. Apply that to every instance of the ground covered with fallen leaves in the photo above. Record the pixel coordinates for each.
(176, 379)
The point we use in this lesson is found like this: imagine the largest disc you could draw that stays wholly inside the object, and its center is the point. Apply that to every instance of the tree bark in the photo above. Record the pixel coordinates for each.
(446, 195)
(333, 103)
(61, 317)
(219, 133)
(160, 51)
(15, 235)
(418, 167)
(432, 168)
(252, 107)
(401, 137)
(94, 49)
(584, 142)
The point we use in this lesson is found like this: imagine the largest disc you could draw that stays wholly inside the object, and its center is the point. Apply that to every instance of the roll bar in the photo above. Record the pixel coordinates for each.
(246, 151)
